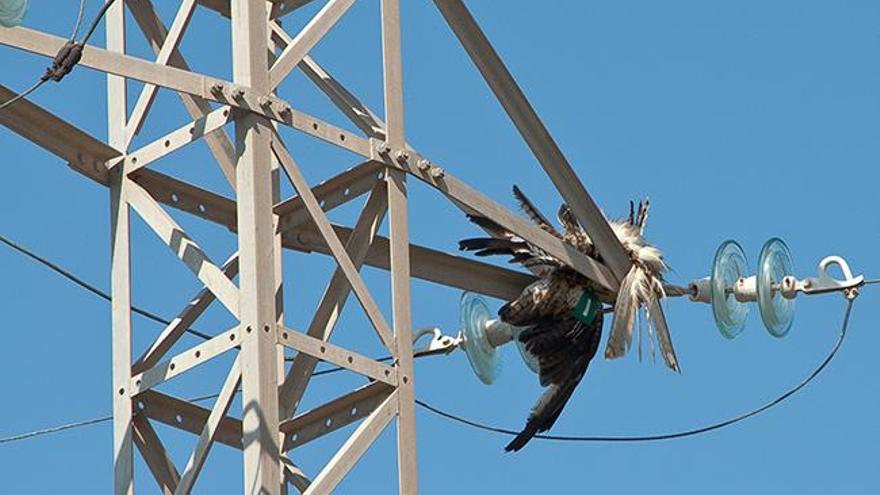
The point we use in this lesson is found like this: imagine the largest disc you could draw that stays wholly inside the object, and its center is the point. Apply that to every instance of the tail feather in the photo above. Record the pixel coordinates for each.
(658, 318)
(625, 310)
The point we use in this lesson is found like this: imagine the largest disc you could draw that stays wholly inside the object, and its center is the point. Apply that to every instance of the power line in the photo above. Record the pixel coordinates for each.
(435, 410)
(104, 295)
(89, 287)
(664, 436)
(67, 57)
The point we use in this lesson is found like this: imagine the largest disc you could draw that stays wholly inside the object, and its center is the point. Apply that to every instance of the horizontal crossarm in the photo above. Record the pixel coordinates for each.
(84, 153)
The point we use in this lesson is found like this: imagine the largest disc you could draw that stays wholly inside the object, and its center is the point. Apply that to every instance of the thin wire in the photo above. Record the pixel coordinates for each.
(104, 295)
(665, 436)
(97, 20)
(89, 287)
(505, 431)
(25, 93)
(77, 25)
(79, 20)
(55, 429)
(459, 419)
(79, 424)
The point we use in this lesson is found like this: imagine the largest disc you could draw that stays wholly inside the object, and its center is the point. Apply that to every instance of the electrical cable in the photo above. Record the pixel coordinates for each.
(67, 57)
(665, 436)
(79, 424)
(104, 295)
(96, 21)
(89, 287)
(437, 411)
(79, 19)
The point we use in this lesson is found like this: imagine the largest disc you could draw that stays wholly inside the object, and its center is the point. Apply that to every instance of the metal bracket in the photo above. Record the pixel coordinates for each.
(826, 283)
(439, 343)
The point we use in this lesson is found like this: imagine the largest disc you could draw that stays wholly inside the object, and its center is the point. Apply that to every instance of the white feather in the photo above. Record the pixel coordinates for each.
(641, 289)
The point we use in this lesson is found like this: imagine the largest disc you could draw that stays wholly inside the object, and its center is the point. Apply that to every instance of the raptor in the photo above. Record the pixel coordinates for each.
(562, 313)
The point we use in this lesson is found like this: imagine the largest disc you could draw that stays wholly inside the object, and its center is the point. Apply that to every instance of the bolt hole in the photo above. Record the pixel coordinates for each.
(202, 208)
(226, 112)
(172, 366)
(350, 359)
(387, 373)
(323, 349)
(346, 192)
(192, 130)
(179, 419)
(198, 354)
(295, 437)
(140, 405)
(249, 329)
(285, 335)
(405, 380)
(315, 126)
(342, 137)
(134, 159)
(354, 411)
(174, 197)
(232, 336)
(121, 391)
(167, 143)
(328, 423)
(265, 328)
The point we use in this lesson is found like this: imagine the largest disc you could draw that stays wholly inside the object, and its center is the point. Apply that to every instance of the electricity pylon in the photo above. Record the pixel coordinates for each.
(271, 427)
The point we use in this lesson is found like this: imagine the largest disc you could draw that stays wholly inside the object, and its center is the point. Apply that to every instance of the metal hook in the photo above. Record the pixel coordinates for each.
(826, 283)
(439, 343)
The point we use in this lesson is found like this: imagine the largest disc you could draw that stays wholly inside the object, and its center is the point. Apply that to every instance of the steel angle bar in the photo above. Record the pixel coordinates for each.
(185, 361)
(83, 152)
(332, 302)
(183, 246)
(337, 355)
(156, 33)
(333, 415)
(306, 39)
(354, 448)
(178, 139)
(169, 48)
(155, 456)
(360, 289)
(535, 134)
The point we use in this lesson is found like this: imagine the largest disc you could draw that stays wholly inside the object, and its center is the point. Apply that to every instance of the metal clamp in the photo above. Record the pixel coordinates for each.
(439, 343)
(826, 283)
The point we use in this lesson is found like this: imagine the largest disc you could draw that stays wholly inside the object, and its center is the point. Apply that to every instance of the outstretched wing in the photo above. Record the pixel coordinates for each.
(504, 242)
(533, 212)
(564, 348)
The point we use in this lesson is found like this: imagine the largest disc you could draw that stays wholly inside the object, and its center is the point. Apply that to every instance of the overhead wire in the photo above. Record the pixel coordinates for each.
(89, 287)
(67, 57)
(665, 436)
(438, 411)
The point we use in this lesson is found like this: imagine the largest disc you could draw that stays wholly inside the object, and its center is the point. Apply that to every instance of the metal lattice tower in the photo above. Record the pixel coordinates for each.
(270, 426)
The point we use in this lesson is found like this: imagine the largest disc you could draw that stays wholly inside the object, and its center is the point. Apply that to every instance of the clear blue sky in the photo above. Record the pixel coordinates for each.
(740, 120)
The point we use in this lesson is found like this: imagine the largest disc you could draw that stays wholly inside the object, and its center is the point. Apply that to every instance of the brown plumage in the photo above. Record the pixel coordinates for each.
(563, 345)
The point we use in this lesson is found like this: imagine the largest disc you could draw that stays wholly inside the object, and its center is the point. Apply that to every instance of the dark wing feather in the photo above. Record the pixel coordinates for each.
(504, 242)
(564, 348)
(533, 212)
